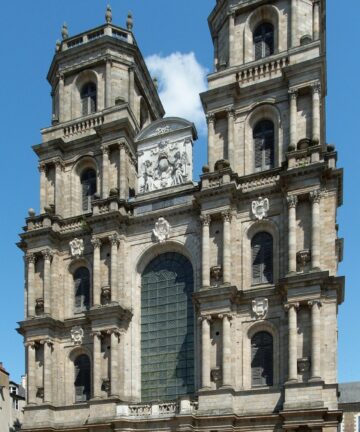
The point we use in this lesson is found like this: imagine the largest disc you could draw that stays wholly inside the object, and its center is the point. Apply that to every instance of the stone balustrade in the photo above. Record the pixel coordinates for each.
(79, 127)
(156, 410)
(262, 70)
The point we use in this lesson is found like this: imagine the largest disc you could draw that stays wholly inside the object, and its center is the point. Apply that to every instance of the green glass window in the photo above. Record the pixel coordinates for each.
(167, 328)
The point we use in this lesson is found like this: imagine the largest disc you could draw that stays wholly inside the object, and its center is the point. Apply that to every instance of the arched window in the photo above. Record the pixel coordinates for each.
(88, 99)
(82, 382)
(167, 328)
(263, 135)
(262, 258)
(82, 289)
(262, 359)
(264, 40)
(88, 187)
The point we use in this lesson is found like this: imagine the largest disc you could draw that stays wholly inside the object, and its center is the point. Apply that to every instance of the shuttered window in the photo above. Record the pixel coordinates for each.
(88, 188)
(82, 289)
(264, 41)
(88, 99)
(263, 135)
(82, 378)
(262, 359)
(262, 258)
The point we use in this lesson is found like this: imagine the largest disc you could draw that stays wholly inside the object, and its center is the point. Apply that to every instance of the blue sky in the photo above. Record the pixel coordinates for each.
(170, 30)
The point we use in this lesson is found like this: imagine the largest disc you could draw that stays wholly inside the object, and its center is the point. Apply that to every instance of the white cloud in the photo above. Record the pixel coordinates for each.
(181, 78)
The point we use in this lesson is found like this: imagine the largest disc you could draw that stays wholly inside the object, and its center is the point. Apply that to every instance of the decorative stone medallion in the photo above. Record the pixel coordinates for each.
(260, 208)
(162, 230)
(77, 335)
(76, 247)
(260, 307)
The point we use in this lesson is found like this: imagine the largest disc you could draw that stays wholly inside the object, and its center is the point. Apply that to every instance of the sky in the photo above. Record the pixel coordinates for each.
(175, 40)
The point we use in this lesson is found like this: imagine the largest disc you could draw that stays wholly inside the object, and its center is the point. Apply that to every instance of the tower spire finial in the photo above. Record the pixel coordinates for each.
(129, 21)
(108, 15)
(65, 31)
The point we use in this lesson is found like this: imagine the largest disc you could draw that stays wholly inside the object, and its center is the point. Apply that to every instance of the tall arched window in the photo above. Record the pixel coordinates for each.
(264, 151)
(167, 328)
(82, 289)
(82, 381)
(262, 359)
(88, 187)
(88, 99)
(262, 258)
(264, 40)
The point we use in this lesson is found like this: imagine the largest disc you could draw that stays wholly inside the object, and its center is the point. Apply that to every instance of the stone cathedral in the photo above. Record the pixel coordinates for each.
(155, 302)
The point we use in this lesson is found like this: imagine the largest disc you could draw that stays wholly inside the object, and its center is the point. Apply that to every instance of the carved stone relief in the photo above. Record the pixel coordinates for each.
(260, 208)
(162, 230)
(260, 307)
(76, 247)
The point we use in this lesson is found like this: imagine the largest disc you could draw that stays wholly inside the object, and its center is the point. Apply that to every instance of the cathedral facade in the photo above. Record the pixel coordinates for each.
(156, 302)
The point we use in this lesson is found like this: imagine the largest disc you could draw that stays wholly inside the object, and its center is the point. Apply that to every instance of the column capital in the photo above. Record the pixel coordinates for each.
(114, 239)
(30, 344)
(230, 112)
(203, 318)
(123, 145)
(42, 167)
(96, 334)
(226, 315)
(315, 302)
(205, 219)
(292, 201)
(96, 242)
(114, 331)
(60, 76)
(210, 118)
(47, 254)
(226, 215)
(59, 163)
(316, 87)
(104, 149)
(47, 342)
(30, 258)
(293, 93)
(315, 196)
(288, 306)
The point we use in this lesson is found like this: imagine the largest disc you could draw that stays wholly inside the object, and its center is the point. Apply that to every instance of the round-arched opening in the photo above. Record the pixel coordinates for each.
(167, 328)
(262, 258)
(263, 40)
(88, 96)
(81, 278)
(82, 382)
(262, 359)
(264, 145)
(88, 187)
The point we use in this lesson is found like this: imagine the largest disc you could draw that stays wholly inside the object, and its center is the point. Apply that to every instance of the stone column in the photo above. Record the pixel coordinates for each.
(231, 39)
(97, 364)
(108, 83)
(47, 254)
(226, 353)
(316, 92)
(43, 181)
(292, 356)
(315, 340)
(96, 242)
(293, 118)
(210, 118)
(31, 373)
(205, 352)
(48, 346)
(30, 259)
(105, 172)
(61, 99)
(316, 19)
(205, 220)
(292, 202)
(227, 247)
(294, 41)
(131, 87)
(114, 241)
(114, 338)
(231, 125)
(122, 172)
(58, 187)
(315, 197)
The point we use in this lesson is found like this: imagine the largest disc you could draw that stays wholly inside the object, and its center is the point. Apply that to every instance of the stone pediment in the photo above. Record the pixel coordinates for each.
(165, 126)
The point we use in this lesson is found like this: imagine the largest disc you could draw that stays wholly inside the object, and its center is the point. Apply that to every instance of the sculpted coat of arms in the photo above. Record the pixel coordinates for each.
(77, 335)
(260, 208)
(161, 230)
(77, 247)
(260, 307)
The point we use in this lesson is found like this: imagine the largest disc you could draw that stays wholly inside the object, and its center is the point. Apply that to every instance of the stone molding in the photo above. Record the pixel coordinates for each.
(292, 201)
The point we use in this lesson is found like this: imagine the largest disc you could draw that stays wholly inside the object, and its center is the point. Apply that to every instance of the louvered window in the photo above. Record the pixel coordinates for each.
(264, 41)
(88, 188)
(82, 289)
(82, 378)
(263, 135)
(262, 258)
(88, 99)
(262, 359)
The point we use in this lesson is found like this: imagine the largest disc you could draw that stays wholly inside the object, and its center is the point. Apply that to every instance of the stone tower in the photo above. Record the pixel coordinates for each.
(156, 302)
